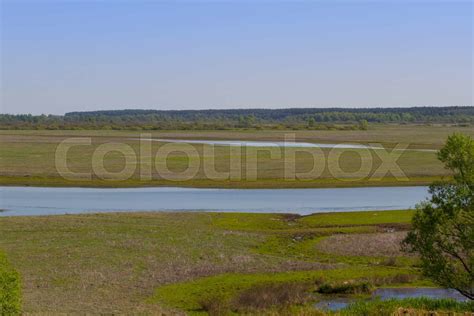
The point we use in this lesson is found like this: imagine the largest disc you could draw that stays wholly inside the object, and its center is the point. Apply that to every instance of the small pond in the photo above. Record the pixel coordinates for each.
(337, 303)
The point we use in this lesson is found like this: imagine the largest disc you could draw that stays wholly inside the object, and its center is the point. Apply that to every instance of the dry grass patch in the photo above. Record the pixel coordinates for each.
(375, 245)
(264, 296)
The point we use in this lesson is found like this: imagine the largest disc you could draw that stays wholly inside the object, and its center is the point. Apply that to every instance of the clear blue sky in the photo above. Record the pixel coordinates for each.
(63, 56)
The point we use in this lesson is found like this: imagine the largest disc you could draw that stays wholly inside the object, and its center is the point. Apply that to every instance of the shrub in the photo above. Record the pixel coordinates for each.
(345, 288)
(9, 288)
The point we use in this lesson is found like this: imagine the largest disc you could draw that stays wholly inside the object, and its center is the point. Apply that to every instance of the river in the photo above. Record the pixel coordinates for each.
(17, 201)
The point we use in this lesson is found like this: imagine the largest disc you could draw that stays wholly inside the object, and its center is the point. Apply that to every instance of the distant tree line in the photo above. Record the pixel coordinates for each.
(298, 118)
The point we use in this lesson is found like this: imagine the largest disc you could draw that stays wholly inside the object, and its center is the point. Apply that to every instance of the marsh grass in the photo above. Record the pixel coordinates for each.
(258, 298)
(28, 158)
(189, 295)
(268, 295)
(122, 263)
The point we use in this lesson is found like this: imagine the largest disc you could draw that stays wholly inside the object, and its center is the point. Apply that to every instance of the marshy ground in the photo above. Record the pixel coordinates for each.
(152, 262)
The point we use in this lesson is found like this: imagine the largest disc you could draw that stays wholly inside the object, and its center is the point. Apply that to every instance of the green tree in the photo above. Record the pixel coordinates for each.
(443, 227)
(363, 125)
(246, 121)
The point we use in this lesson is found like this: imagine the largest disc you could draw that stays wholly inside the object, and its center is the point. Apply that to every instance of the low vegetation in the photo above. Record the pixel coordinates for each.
(155, 262)
(260, 297)
(9, 288)
(230, 287)
(28, 158)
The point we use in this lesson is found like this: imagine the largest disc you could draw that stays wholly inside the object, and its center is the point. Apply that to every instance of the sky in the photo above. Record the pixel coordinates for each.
(63, 55)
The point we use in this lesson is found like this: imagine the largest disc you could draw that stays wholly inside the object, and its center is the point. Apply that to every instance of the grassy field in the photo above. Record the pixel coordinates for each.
(28, 158)
(174, 262)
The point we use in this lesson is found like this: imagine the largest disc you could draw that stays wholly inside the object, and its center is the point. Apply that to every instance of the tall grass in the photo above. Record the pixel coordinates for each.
(9, 288)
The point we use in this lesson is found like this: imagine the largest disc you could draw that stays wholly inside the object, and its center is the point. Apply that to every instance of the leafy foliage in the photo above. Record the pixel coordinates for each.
(443, 227)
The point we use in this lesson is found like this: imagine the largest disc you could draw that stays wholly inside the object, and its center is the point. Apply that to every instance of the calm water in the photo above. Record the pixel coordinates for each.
(47, 201)
(338, 303)
(244, 143)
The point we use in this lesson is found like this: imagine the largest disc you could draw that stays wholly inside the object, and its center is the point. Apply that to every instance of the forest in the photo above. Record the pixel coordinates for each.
(291, 118)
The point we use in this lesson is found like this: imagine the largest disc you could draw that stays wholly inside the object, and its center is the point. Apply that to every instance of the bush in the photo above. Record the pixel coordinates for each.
(9, 288)
(345, 288)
